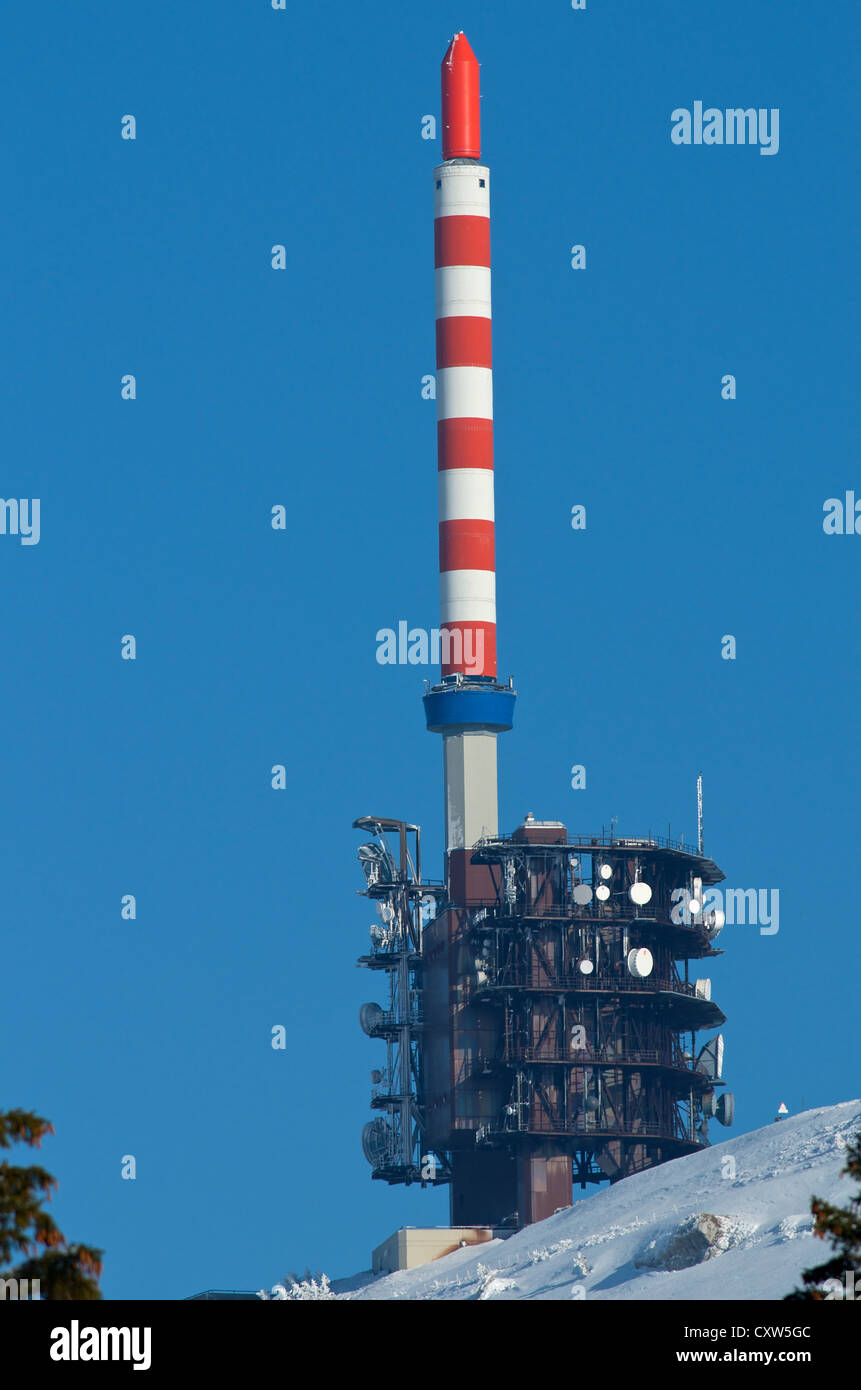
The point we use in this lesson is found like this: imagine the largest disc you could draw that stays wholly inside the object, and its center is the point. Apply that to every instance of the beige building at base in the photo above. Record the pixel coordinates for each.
(418, 1245)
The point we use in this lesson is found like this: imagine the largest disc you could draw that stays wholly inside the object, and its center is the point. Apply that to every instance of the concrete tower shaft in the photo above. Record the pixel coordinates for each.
(465, 417)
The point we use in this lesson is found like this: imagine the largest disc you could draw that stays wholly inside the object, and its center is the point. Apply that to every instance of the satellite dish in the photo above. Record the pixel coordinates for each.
(375, 1142)
(640, 963)
(640, 893)
(385, 912)
(370, 1017)
(574, 861)
(582, 894)
(725, 1108)
(709, 1104)
(586, 967)
(376, 1077)
(703, 989)
(710, 1058)
(602, 892)
(714, 921)
(605, 871)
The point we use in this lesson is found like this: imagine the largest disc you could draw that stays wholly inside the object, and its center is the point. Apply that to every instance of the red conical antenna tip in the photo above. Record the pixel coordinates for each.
(461, 119)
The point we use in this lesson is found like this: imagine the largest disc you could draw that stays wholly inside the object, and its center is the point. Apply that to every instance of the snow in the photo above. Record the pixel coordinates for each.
(617, 1243)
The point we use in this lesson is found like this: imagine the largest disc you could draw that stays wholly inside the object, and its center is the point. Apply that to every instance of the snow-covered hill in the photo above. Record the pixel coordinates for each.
(628, 1241)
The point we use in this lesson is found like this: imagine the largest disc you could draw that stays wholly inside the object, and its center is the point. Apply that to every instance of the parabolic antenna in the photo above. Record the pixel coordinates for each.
(574, 861)
(640, 893)
(725, 1108)
(370, 1017)
(710, 1058)
(385, 912)
(602, 892)
(605, 871)
(709, 1104)
(376, 1077)
(640, 963)
(714, 921)
(586, 967)
(582, 894)
(703, 989)
(375, 1142)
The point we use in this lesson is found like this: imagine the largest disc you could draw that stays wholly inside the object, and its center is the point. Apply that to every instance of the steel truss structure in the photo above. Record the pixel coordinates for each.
(394, 1143)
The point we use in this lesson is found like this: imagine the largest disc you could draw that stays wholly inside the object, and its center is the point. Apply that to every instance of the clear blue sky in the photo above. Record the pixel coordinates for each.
(256, 387)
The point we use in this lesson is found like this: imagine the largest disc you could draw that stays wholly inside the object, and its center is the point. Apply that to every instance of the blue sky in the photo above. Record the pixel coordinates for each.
(302, 387)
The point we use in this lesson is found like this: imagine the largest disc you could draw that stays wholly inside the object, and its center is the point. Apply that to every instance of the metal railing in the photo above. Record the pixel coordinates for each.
(489, 1066)
(515, 977)
(586, 1057)
(588, 1126)
(621, 843)
(391, 1020)
(618, 909)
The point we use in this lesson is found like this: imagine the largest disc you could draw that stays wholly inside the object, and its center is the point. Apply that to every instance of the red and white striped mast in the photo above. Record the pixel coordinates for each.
(469, 708)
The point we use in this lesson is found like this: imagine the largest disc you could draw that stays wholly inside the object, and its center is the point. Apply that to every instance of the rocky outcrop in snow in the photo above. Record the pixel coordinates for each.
(698, 1238)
